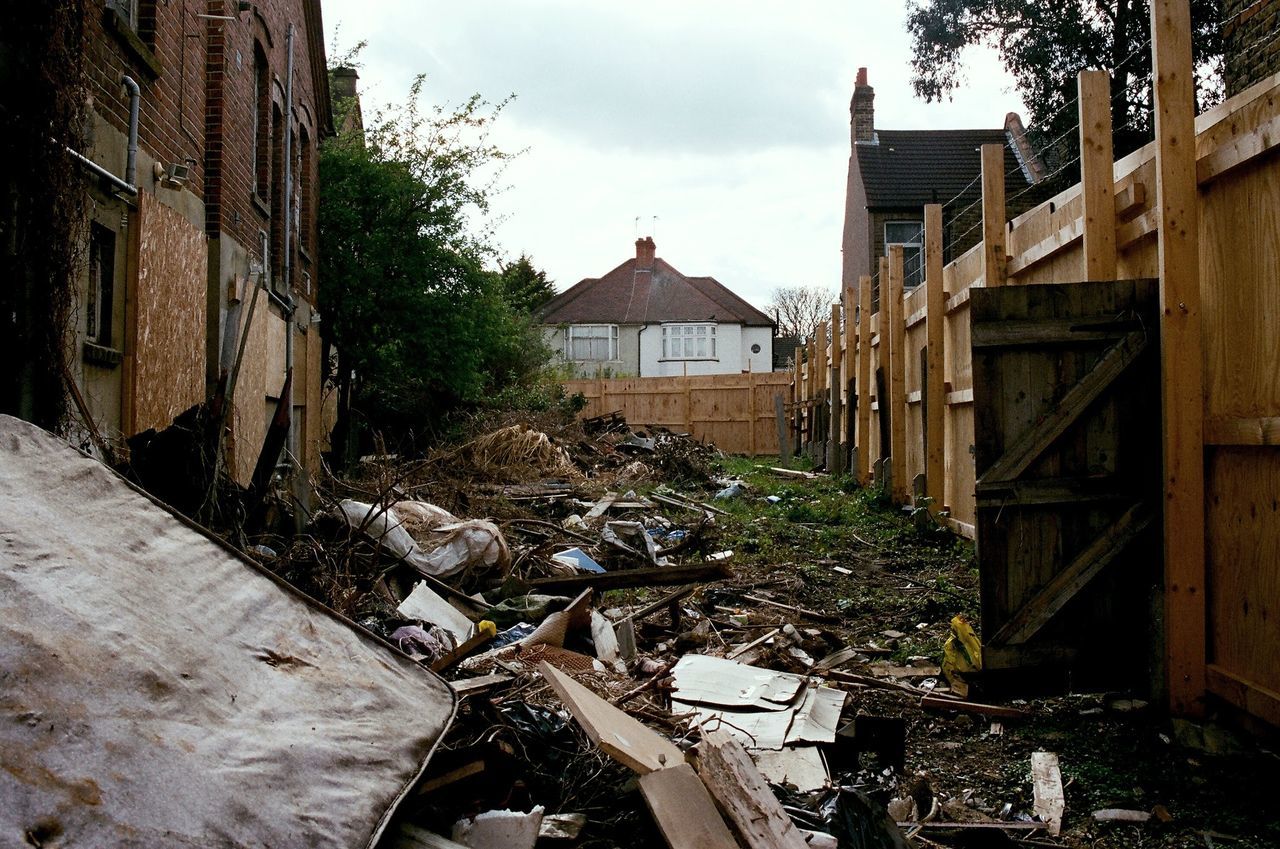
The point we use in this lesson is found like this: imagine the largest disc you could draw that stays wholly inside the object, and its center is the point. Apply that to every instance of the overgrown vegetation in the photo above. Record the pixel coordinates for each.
(422, 327)
(42, 202)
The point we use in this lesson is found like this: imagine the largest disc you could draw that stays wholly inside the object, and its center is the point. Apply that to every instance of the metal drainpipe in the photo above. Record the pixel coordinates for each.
(287, 248)
(135, 99)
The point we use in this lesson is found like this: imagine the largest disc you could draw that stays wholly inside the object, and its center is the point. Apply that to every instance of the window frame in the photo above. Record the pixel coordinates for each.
(574, 332)
(685, 335)
(912, 252)
(100, 303)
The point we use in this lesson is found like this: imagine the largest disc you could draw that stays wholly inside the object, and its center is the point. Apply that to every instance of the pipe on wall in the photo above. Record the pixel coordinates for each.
(135, 101)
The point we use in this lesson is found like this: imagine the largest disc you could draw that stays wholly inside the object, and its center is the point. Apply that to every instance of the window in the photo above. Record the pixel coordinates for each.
(688, 341)
(909, 234)
(261, 124)
(592, 342)
(303, 180)
(102, 266)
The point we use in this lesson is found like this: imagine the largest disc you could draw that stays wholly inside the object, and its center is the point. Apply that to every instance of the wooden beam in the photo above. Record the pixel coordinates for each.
(626, 578)
(618, 735)
(1222, 430)
(891, 309)
(1097, 175)
(1247, 695)
(684, 810)
(1048, 247)
(835, 453)
(1067, 584)
(1034, 441)
(994, 253)
(1240, 149)
(1181, 356)
(737, 785)
(1130, 200)
(864, 380)
(1038, 332)
(935, 388)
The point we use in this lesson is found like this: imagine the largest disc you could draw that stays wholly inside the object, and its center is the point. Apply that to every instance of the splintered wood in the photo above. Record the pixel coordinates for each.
(684, 810)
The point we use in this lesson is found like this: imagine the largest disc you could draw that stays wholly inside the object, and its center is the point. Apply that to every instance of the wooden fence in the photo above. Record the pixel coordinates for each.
(1204, 219)
(734, 411)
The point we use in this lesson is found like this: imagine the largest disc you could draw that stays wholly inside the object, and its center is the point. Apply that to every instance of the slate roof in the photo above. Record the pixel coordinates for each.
(629, 296)
(910, 168)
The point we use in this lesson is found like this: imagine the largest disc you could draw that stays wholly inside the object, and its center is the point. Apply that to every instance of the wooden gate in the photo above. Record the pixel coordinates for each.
(1067, 449)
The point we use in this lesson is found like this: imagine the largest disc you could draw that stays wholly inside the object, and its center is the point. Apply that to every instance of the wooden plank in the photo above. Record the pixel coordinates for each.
(960, 396)
(940, 703)
(1223, 430)
(684, 810)
(1048, 247)
(994, 250)
(1247, 695)
(1130, 200)
(935, 386)
(1131, 232)
(618, 735)
(1033, 442)
(835, 455)
(1027, 493)
(780, 414)
(471, 686)
(1037, 332)
(1238, 151)
(626, 578)
(958, 300)
(891, 308)
(1036, 613)
(864, 380)
(1046, 781)
(739, 788)
(1182, 378)
(1097, 181)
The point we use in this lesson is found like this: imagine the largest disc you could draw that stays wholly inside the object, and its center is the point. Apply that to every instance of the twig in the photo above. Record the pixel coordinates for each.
(812, 614)
(647, 685)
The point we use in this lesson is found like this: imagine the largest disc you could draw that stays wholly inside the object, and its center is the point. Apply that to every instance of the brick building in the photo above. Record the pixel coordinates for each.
(1250, 42)
(894, 173)
(215, 205)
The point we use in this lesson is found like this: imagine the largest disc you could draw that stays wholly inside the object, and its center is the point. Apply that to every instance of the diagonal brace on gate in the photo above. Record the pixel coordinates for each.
(1053, 596)
(1034, 442)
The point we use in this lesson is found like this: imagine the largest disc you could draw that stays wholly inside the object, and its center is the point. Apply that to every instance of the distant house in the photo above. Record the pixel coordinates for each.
(894, 173)
(646, 319)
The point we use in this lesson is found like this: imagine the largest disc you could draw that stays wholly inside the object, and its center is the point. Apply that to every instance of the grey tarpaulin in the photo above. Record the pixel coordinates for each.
(156, 689)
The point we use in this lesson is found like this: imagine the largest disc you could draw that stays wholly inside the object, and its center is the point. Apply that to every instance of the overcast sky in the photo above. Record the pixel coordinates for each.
(728, 121)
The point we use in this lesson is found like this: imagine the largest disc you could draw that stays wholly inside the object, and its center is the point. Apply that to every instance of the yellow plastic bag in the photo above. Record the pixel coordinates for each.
(961, 655)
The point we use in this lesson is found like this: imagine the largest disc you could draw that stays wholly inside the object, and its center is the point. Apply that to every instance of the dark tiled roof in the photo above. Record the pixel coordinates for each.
(910, 168)
(628, 296)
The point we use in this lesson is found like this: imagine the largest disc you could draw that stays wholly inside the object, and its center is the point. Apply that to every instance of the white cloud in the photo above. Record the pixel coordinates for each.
(726, 120)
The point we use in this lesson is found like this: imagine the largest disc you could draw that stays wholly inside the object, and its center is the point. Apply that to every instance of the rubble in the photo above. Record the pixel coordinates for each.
(637, 661)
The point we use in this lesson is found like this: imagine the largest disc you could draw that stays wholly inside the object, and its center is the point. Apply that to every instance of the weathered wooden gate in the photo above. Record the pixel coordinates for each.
(1067, 450)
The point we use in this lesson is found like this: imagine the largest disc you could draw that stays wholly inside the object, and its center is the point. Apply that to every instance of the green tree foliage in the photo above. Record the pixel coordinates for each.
(526, 287)
(421, 328)
(1044, 45)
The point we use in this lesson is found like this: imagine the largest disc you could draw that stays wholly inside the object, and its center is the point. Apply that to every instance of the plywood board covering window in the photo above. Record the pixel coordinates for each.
(688, 341)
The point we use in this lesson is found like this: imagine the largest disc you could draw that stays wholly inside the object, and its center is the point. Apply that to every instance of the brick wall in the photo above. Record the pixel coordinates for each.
(168, 68)
(235, 206)
(1251, 43)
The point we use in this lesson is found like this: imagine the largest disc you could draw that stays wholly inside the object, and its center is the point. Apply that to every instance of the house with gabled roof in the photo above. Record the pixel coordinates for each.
(894, 173)
(645, 318)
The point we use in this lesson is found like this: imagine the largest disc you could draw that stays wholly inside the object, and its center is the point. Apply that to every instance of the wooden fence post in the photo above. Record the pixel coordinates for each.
(894, 329)
(797, 400)
(751, 410)
(995, 259)
(864, 380)
(934, 390)
(1181, 364)
(1097, 175)
(820, 393)
(835, 453)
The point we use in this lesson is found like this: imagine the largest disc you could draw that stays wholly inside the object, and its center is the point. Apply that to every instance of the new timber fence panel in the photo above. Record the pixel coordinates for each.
(734, 411)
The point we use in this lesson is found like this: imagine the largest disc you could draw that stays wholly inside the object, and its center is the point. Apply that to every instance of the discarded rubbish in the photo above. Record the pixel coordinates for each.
(961, 655)
(508, 829)
(578, 559)
(732, 491)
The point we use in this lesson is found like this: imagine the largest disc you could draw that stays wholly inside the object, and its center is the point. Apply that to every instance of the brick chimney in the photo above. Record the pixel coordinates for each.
(645, 250)
(862, 110)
